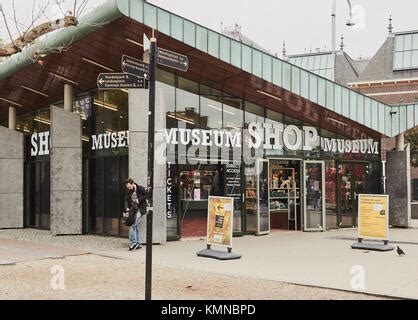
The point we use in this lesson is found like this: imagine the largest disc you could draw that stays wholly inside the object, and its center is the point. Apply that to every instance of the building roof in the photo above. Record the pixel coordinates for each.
(342, 71)
(340, 100)
(361, 64)
(235, 33)
(388, 62)
(321, 63)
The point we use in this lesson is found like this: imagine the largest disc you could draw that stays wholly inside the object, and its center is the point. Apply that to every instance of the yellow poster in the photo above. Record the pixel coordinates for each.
(373, 216)
(220, 217)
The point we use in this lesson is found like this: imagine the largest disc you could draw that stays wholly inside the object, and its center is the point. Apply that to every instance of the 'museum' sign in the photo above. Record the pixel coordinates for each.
(268, 136)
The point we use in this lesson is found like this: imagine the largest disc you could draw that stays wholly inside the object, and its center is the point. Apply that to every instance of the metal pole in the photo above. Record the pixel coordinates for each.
(150, 180)
(334, 13)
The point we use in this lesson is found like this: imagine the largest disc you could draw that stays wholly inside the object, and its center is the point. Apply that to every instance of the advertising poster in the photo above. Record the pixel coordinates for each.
(373, 217)
(220, 218)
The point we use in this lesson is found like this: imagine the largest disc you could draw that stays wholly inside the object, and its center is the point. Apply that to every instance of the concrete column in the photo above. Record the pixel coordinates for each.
(68, 97)
(11, 178)
(398, 172)
(400, 142)
(12, 118)
(66, 172)
(138, 148)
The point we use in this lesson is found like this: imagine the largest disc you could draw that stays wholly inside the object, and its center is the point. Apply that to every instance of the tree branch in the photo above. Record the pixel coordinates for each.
(32, 35)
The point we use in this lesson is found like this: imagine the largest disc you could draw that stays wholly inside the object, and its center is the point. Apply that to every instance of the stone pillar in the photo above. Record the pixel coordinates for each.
(68, 98)
(138, 148)
(12, 118)
(398, 173)
(66, 172)
(11, 178)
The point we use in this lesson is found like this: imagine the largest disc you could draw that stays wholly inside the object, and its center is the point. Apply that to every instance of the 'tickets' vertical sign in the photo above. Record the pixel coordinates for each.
(170, 192)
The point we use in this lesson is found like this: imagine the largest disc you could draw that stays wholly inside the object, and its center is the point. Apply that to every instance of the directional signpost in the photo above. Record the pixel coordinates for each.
(172, 59)
(117, 81)
(135, 67)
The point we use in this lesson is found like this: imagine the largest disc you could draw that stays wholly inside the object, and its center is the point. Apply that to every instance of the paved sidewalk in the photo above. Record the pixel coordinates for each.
(15, 251)
(322, 259)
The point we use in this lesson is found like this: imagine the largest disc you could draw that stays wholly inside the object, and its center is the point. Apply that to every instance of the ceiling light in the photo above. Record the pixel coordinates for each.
(220, 109)
(98, 64)
(35, 91)
(11, 102)
(63, 78)
(134, 42)
(230, 125)
(42, 120)
(269, 95)
(106, 105)
(180, 119)
(337, 121)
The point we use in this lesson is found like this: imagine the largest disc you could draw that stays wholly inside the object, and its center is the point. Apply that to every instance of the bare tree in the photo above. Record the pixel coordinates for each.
(32, 32)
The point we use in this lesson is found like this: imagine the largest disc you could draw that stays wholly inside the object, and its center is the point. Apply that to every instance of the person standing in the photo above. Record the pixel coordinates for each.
(135, 200)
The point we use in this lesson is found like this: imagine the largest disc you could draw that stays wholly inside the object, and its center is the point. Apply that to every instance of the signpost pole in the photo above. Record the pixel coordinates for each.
(150, 180)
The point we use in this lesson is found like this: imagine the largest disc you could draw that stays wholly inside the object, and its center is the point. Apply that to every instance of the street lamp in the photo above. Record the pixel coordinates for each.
(350, 23)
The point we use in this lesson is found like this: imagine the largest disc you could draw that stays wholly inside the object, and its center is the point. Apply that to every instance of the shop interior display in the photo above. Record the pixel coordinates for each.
(284, 195)
(197, 185)
(251, 194)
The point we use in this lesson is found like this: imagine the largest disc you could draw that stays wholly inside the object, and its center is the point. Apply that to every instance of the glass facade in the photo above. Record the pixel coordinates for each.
(36, 169)
(106, 168)
(202, 172)
(194, 174)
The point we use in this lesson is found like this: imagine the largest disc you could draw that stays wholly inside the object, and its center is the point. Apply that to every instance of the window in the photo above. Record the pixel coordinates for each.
(210, 108)
(253, 113)
(406, 52)
(320, 64)
(233, 115)
(187, 103)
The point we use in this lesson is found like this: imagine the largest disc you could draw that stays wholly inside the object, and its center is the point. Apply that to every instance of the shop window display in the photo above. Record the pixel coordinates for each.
(330, 194)
(284, 194)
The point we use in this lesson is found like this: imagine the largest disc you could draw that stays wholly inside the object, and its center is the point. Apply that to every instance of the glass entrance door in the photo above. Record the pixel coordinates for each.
(263, 215)
(314, 200)
(353, 179)
(345, 192)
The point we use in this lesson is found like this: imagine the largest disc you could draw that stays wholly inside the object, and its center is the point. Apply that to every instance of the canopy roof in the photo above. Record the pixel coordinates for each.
(216, 60)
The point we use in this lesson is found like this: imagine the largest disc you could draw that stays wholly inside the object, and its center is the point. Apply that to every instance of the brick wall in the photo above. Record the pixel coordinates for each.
(194, 227)
(401, 97)
(387, 145)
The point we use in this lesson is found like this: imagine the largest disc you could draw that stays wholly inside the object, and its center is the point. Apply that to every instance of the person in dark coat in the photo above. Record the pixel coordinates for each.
(136, 201)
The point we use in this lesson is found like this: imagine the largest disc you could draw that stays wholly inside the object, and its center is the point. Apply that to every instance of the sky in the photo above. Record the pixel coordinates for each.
(304, 25)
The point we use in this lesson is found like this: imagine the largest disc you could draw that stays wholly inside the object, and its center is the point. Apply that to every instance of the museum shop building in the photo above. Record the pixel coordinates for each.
(292, 148)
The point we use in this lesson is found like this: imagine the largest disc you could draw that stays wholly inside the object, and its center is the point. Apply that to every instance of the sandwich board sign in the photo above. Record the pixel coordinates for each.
(373, 222)
(220, 228)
